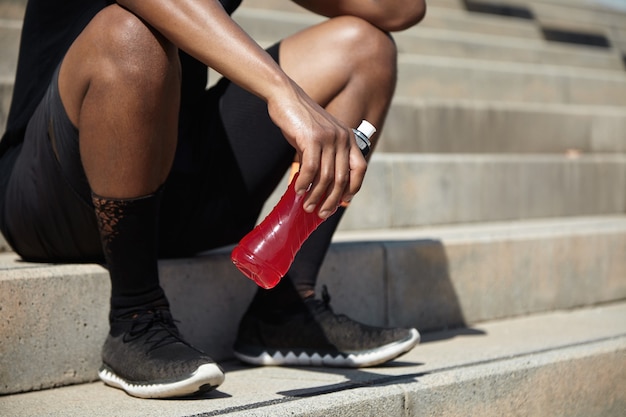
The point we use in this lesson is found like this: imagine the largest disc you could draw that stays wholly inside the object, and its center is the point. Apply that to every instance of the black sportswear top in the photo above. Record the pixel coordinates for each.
(50, 27)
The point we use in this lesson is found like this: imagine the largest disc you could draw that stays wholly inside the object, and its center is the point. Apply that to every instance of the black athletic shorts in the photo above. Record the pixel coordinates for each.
(229, 159)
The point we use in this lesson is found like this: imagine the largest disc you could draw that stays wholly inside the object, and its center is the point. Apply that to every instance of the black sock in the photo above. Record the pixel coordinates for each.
(129, 231)
(281, 299)
(307, 263)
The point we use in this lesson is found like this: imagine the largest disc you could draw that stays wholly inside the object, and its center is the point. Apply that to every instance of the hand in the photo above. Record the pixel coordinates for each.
(332, 166)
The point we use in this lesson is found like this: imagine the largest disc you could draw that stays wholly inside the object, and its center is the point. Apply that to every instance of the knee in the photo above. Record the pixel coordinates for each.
(366, 44)
(127, 47)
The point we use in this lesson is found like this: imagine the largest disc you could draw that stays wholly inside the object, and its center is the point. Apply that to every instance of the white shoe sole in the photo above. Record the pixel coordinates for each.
(205, 378)
(352, 360)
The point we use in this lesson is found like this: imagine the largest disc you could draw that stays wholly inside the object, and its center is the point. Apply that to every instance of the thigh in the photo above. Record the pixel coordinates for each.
(47, 211)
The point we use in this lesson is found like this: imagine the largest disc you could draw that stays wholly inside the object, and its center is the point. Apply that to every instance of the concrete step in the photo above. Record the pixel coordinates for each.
(459, 78)
(455, 77)
(473, 126)
(467, 24)
(592, 17)
(288, 17)
(55, 316)
(441, 77)
(12, 9)
(409, 190)
(413, 189)
(444, 42)
(6, 92)
(441, 18)
(10, 32)
(464, 21)
(615, 5)
(447, 4)
(450, 125)
(280, 5)
(271, 25)
(598, 22)
(584, 19)
(537, 365)
(416, 190)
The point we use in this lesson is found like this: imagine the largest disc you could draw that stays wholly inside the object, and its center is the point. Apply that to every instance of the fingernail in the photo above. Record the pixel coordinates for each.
(309, 208)
(324, 214)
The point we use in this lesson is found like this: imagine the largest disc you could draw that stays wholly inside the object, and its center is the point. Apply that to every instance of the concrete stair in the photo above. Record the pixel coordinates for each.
(493, 219)
(432, 278)
(513, 367)
(474, 126)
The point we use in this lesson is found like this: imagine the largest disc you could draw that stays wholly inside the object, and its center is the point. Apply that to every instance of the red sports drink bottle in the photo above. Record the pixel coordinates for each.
(266, 253)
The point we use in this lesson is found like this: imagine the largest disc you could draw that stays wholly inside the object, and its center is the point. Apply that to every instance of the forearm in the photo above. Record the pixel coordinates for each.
(205, 31)
(388, 15)
(330, 158)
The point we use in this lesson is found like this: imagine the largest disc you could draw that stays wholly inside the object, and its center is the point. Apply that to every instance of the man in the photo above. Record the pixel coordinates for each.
(115, 152)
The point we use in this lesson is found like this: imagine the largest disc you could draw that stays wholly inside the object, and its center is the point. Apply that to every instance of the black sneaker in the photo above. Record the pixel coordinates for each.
(145, 356)
(314, 335)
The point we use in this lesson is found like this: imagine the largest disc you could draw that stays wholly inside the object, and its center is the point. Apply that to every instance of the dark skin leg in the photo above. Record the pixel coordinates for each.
(120, 88)
(120, 85)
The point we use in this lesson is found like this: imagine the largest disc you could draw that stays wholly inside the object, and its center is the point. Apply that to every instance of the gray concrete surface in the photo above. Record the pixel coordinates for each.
(458, 78)
(4, 246)
(10, 31)
(464, 21)
(55, 316)
(565, 363)
(439, 18)
(6, 91)
(596, 17)
(437, 189)
(407, 190)
(591, 17)
(448, 42)
(472, 273)
(430, 38)
(529, 71)
(474, 126)
(12, 9)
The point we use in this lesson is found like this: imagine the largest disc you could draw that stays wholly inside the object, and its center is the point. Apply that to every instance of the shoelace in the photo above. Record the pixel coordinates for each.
(322, 307)
(325, 296)
(157, 325)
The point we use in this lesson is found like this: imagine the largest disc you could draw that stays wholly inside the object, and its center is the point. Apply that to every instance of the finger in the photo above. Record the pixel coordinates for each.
(339, 186)
(323, 183)
(333, 200)
(334, 177)
(358, 168)
(309, 167)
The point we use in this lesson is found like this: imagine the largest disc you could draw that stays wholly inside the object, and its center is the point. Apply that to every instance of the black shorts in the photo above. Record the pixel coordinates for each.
(229, 159)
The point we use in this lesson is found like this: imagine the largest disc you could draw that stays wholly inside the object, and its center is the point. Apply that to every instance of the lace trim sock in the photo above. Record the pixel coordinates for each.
(129, 232)
(280, 299)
